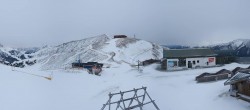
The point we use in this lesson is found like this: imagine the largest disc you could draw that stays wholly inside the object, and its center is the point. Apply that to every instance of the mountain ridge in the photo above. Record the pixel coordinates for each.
(14, 57)
(98, 49)
(240, 47)
(102, 49)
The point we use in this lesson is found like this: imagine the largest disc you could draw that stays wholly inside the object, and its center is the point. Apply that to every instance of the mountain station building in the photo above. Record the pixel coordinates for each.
(177, 59)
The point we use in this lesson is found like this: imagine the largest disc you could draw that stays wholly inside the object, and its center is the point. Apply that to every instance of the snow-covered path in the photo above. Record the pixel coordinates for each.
(78, 90)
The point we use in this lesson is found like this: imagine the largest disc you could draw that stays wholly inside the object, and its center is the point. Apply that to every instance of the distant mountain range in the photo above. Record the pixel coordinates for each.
(101, 48)
(16, 57)
(239, 48)
(106, 50)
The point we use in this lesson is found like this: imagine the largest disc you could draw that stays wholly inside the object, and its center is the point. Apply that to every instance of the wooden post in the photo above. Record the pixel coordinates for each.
(139, 103)
(143, 98)
(122, 100)
(152, 101)
(138, 65)
(110, 96)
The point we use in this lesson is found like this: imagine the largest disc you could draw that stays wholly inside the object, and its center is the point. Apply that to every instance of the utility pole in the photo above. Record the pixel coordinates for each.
(140, 70)
(79, 59)
(138, 65)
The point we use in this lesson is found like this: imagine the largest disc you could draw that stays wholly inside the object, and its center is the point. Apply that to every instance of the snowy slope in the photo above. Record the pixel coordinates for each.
(29, 50)
(100, 49)
(78, 90)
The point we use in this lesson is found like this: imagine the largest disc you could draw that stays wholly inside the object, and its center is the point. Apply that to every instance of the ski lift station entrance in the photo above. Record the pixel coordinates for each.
(177, 59)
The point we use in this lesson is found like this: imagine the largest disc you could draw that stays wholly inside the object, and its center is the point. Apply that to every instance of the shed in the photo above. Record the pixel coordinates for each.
(239, 85)
(206, 77)
(86, 65)
(120, 36)
(150, 61)
(239, 69)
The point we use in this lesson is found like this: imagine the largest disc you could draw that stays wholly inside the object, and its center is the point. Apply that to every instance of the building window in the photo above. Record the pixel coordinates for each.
(172, 63)
(194, 62)
(182, 62)
(198, 61)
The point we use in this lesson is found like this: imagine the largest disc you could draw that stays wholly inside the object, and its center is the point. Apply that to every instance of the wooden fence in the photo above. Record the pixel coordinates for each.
(127, 103)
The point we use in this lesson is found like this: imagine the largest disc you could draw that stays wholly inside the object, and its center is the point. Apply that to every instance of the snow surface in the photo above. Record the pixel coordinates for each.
(77, 90)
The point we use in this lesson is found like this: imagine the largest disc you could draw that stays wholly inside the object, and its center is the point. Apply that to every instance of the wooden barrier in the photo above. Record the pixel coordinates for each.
(128, 103)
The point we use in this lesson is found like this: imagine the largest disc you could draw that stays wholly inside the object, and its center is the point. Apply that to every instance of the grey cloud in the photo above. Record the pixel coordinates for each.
(188, 22)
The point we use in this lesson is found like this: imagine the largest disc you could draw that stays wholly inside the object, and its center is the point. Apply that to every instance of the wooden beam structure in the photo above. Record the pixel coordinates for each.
(136, 101)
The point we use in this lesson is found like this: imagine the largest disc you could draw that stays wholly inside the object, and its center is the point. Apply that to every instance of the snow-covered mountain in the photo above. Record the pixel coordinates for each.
(14, 57)
(6, 57)
(241, 47)
(29, 50)
(98, 49)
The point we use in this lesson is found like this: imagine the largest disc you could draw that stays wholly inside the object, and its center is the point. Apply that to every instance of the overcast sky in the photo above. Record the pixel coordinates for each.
(25, 23)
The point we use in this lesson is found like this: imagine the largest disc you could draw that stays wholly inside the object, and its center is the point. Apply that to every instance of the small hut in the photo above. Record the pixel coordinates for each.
(239, 69)
(86, 65)
(120, 36)
(239, 85)
(207, 77)
(150, 61)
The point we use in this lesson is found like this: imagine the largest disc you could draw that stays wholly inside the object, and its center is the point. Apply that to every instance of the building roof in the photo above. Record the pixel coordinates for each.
(223, 53)
(120, 36)
(222, 71)
(184, 53)
(240, 76)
